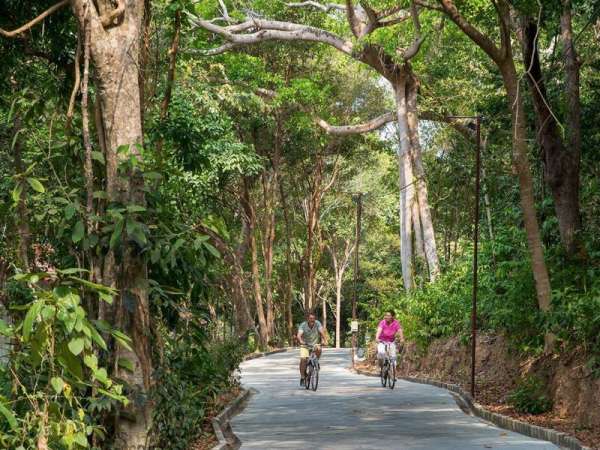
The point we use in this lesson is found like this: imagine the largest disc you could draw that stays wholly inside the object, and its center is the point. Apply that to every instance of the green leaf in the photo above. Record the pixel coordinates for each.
(70, 211)
(126, 364)
(98, 339)
(16, 193)
(108, 298)
(213, 251)
(30, 317)
(76, 345)
(81, 439)
(8, 415)
(78, 232)
(91, 361)
(115, 238)
(72, 270)
(36, 185)
(98, 156)
(114, 396)
(94, 286)
(58, 384)
(135, 208)
(122, 339)
(101, 375)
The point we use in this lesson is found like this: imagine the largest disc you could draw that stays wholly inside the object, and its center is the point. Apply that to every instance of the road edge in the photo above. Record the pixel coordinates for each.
(221, 423)
(465, 401)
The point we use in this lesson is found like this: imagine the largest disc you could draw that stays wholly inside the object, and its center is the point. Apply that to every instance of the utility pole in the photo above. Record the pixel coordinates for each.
(356, 268)
(475, 252)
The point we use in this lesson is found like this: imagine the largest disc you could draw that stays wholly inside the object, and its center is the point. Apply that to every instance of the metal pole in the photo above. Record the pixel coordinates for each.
(475, 254)
(355, 294)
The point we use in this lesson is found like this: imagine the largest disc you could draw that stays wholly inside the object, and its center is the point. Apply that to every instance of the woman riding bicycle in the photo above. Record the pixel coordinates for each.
(387, 331)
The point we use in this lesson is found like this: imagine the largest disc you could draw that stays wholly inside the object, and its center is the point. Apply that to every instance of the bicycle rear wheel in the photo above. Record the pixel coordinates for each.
(308, 376)
(314, 378)
(392, 375)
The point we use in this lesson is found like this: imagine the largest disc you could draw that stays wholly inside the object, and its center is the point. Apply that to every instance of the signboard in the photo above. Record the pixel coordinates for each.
(354, 326)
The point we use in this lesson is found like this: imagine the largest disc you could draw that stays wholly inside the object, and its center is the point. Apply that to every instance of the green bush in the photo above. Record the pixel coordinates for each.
(54, 383)
(192, 375)
(530, 397)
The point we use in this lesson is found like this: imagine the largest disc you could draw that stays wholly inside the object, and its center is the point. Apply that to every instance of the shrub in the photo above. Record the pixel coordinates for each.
(54, 385)
(530, 397)
(193, 374)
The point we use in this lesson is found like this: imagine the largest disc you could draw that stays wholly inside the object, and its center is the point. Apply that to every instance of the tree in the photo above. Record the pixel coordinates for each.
(502, 56)
(362, 21)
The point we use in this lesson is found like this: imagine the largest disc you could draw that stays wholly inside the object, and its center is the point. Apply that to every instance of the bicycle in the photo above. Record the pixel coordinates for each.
(311, 379)
(388, 368)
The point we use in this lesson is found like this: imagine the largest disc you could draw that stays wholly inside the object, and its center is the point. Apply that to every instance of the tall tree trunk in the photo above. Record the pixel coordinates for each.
(561, 164)
(418, 231)
(115, 52)
(521, 164)
(22, 212)
(429, 241)
(269, 182)
(260, 312)
(288, 264)
(338, 310)
(173, 51)
(406, 181)
(486, 194)
(569, 200)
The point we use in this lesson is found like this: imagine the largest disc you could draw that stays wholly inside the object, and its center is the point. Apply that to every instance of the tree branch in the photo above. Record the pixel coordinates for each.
(483, 41)
(32, 23)
(325, 8)
(378, 122)
(366, 127)
(270, 30)
(111, 17)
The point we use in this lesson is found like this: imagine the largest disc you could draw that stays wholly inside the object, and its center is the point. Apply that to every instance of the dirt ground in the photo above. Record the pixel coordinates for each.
(207, 439)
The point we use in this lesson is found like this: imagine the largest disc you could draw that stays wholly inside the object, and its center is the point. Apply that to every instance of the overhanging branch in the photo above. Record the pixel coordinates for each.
(32, 23)
(262, 30)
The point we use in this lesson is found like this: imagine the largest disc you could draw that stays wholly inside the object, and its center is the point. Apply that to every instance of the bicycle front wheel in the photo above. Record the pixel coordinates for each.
(314, 379)
(392, 376)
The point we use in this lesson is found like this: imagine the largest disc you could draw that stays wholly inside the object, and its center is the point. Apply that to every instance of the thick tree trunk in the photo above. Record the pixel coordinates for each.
(570, 223)
(429, 241)
(115, 52)
(561, 164)
(406, 181)
(523, 170)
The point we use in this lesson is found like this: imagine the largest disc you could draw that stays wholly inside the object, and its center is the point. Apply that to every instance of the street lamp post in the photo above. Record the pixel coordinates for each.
(355, 294)
(477, 120)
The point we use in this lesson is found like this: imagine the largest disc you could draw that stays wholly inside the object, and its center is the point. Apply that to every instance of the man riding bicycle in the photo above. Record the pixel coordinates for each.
(310, 335)
(387, 331)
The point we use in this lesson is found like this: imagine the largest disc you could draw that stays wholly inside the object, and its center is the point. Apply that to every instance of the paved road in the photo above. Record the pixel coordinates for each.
(352, 411)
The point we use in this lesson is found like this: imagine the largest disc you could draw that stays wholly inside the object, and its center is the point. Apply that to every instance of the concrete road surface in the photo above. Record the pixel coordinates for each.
(351, 411)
